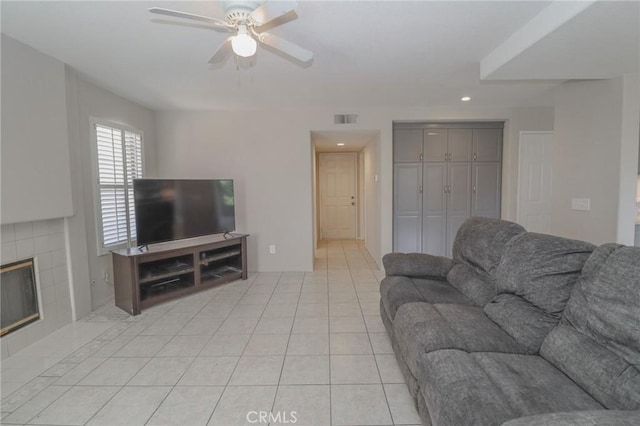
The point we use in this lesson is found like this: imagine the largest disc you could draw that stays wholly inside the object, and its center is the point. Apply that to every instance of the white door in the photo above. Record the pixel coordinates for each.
(535, 181)
(337, 195)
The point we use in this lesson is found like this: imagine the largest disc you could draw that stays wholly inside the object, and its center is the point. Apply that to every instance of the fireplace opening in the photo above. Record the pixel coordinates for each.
(19, 296)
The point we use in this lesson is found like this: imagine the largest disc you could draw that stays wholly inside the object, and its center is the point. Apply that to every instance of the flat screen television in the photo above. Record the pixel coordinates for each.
(173, 209)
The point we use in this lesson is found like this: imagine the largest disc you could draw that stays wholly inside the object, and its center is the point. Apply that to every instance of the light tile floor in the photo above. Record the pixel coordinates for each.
(310, 343)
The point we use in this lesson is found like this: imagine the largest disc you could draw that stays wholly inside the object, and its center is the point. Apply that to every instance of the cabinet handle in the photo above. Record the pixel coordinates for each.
(475, 156)
(421, 157)
(420, 189)
(474, 188)
(446, 156)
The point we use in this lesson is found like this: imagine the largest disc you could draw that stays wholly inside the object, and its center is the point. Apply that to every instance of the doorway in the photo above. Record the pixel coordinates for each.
(337, 187)
(535, 174)
(346, 194)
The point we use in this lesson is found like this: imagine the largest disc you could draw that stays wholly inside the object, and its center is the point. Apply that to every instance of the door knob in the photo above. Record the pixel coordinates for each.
(353, 204)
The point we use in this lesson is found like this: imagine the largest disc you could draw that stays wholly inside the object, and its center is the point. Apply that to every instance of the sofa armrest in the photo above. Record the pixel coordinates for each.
(580, 418)
(416, 265)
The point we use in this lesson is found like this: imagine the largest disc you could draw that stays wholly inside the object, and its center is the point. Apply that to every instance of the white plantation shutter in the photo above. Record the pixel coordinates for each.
(119, 162)
(133, 153)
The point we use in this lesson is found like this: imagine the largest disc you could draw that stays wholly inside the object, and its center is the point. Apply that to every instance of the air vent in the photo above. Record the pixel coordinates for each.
(345, 118)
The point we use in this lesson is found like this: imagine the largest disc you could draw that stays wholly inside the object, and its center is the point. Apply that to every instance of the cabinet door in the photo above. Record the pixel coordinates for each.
(435, 145)
(407, 145)
(407, 208)
(487, 144)
(486, 189)
(460, 144)
(434, 209)
(458, 200)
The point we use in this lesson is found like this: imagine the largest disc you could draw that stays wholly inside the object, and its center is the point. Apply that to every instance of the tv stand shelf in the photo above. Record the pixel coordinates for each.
(170, 270)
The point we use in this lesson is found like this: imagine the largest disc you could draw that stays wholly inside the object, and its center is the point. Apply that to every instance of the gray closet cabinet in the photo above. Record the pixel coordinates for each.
(443, 174)
(409, 146)
(448, 145)
(407, 207)
(486, 179)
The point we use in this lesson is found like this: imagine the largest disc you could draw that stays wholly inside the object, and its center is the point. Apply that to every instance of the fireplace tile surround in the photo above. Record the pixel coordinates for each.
(45, 242)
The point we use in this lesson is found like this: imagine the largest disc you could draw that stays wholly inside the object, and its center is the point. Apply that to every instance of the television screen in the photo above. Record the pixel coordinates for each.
(171, 209)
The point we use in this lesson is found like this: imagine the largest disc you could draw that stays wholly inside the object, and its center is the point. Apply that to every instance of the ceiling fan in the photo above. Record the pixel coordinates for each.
(247, 20)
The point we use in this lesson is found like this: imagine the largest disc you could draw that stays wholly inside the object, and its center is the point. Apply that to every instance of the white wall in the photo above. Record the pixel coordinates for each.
(628, 154)
(267, 153)
(35, 177)
(372, 199)
(88, 100)
(593, 128)
(314, 196)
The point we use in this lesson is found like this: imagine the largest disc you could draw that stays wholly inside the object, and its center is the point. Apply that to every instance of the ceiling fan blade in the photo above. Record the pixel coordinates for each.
(271, 10)
(223, 52)
(185, 15)
(286, 47)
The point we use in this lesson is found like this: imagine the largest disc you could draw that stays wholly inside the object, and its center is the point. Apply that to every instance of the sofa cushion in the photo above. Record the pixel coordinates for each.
(396, 291)
(476, 285)
(416, 265)
(534, 280)
(597, 343)
(481, 241)
(462, 388)
(477, 250)
(580, 418)
(424, 327)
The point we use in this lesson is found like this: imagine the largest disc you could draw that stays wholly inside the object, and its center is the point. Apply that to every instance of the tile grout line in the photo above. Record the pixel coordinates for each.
(375, 359)
(226, 386)
(150, 358)
(347, 260)
(284, 359)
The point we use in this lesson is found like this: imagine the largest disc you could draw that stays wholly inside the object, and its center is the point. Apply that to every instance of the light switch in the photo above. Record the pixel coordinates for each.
(581, 204)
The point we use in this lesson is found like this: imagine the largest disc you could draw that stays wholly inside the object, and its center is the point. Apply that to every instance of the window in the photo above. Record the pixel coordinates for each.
(119, 161)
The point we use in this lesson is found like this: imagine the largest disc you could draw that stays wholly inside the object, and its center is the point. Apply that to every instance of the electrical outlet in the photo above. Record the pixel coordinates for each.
(581, 204)
(272, 249)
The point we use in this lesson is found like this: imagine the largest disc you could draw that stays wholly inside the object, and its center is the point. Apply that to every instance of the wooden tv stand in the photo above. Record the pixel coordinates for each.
(169, 270)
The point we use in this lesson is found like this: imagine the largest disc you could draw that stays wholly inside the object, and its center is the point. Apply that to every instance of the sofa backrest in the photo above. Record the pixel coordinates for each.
(477, 250)
(534, 280)
(597, 343)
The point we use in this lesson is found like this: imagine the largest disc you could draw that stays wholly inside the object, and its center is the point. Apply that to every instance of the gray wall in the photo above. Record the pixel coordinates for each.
(36, 182)
(594, 157)
(87, 100)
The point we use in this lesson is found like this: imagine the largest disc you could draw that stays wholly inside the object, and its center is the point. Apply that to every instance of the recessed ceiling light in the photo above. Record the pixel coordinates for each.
(340, 144)
(465, 99)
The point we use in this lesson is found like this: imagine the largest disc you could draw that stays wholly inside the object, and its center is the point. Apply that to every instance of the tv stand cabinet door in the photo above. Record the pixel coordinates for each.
(126, 284)
(243, 244)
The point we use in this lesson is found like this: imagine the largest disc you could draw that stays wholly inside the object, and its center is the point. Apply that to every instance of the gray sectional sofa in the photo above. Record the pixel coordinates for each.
(517, 329)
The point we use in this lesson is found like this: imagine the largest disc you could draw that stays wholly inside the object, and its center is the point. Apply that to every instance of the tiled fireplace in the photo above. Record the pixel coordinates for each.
(43, 242)
(19, 296)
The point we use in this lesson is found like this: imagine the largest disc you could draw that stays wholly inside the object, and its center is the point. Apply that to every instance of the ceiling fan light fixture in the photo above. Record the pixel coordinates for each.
(243, 44)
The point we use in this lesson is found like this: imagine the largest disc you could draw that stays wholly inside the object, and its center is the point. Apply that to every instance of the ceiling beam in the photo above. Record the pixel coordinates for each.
(540, 26)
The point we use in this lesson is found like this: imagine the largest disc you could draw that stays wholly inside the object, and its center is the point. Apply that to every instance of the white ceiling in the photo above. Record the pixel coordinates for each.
(367, 53)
